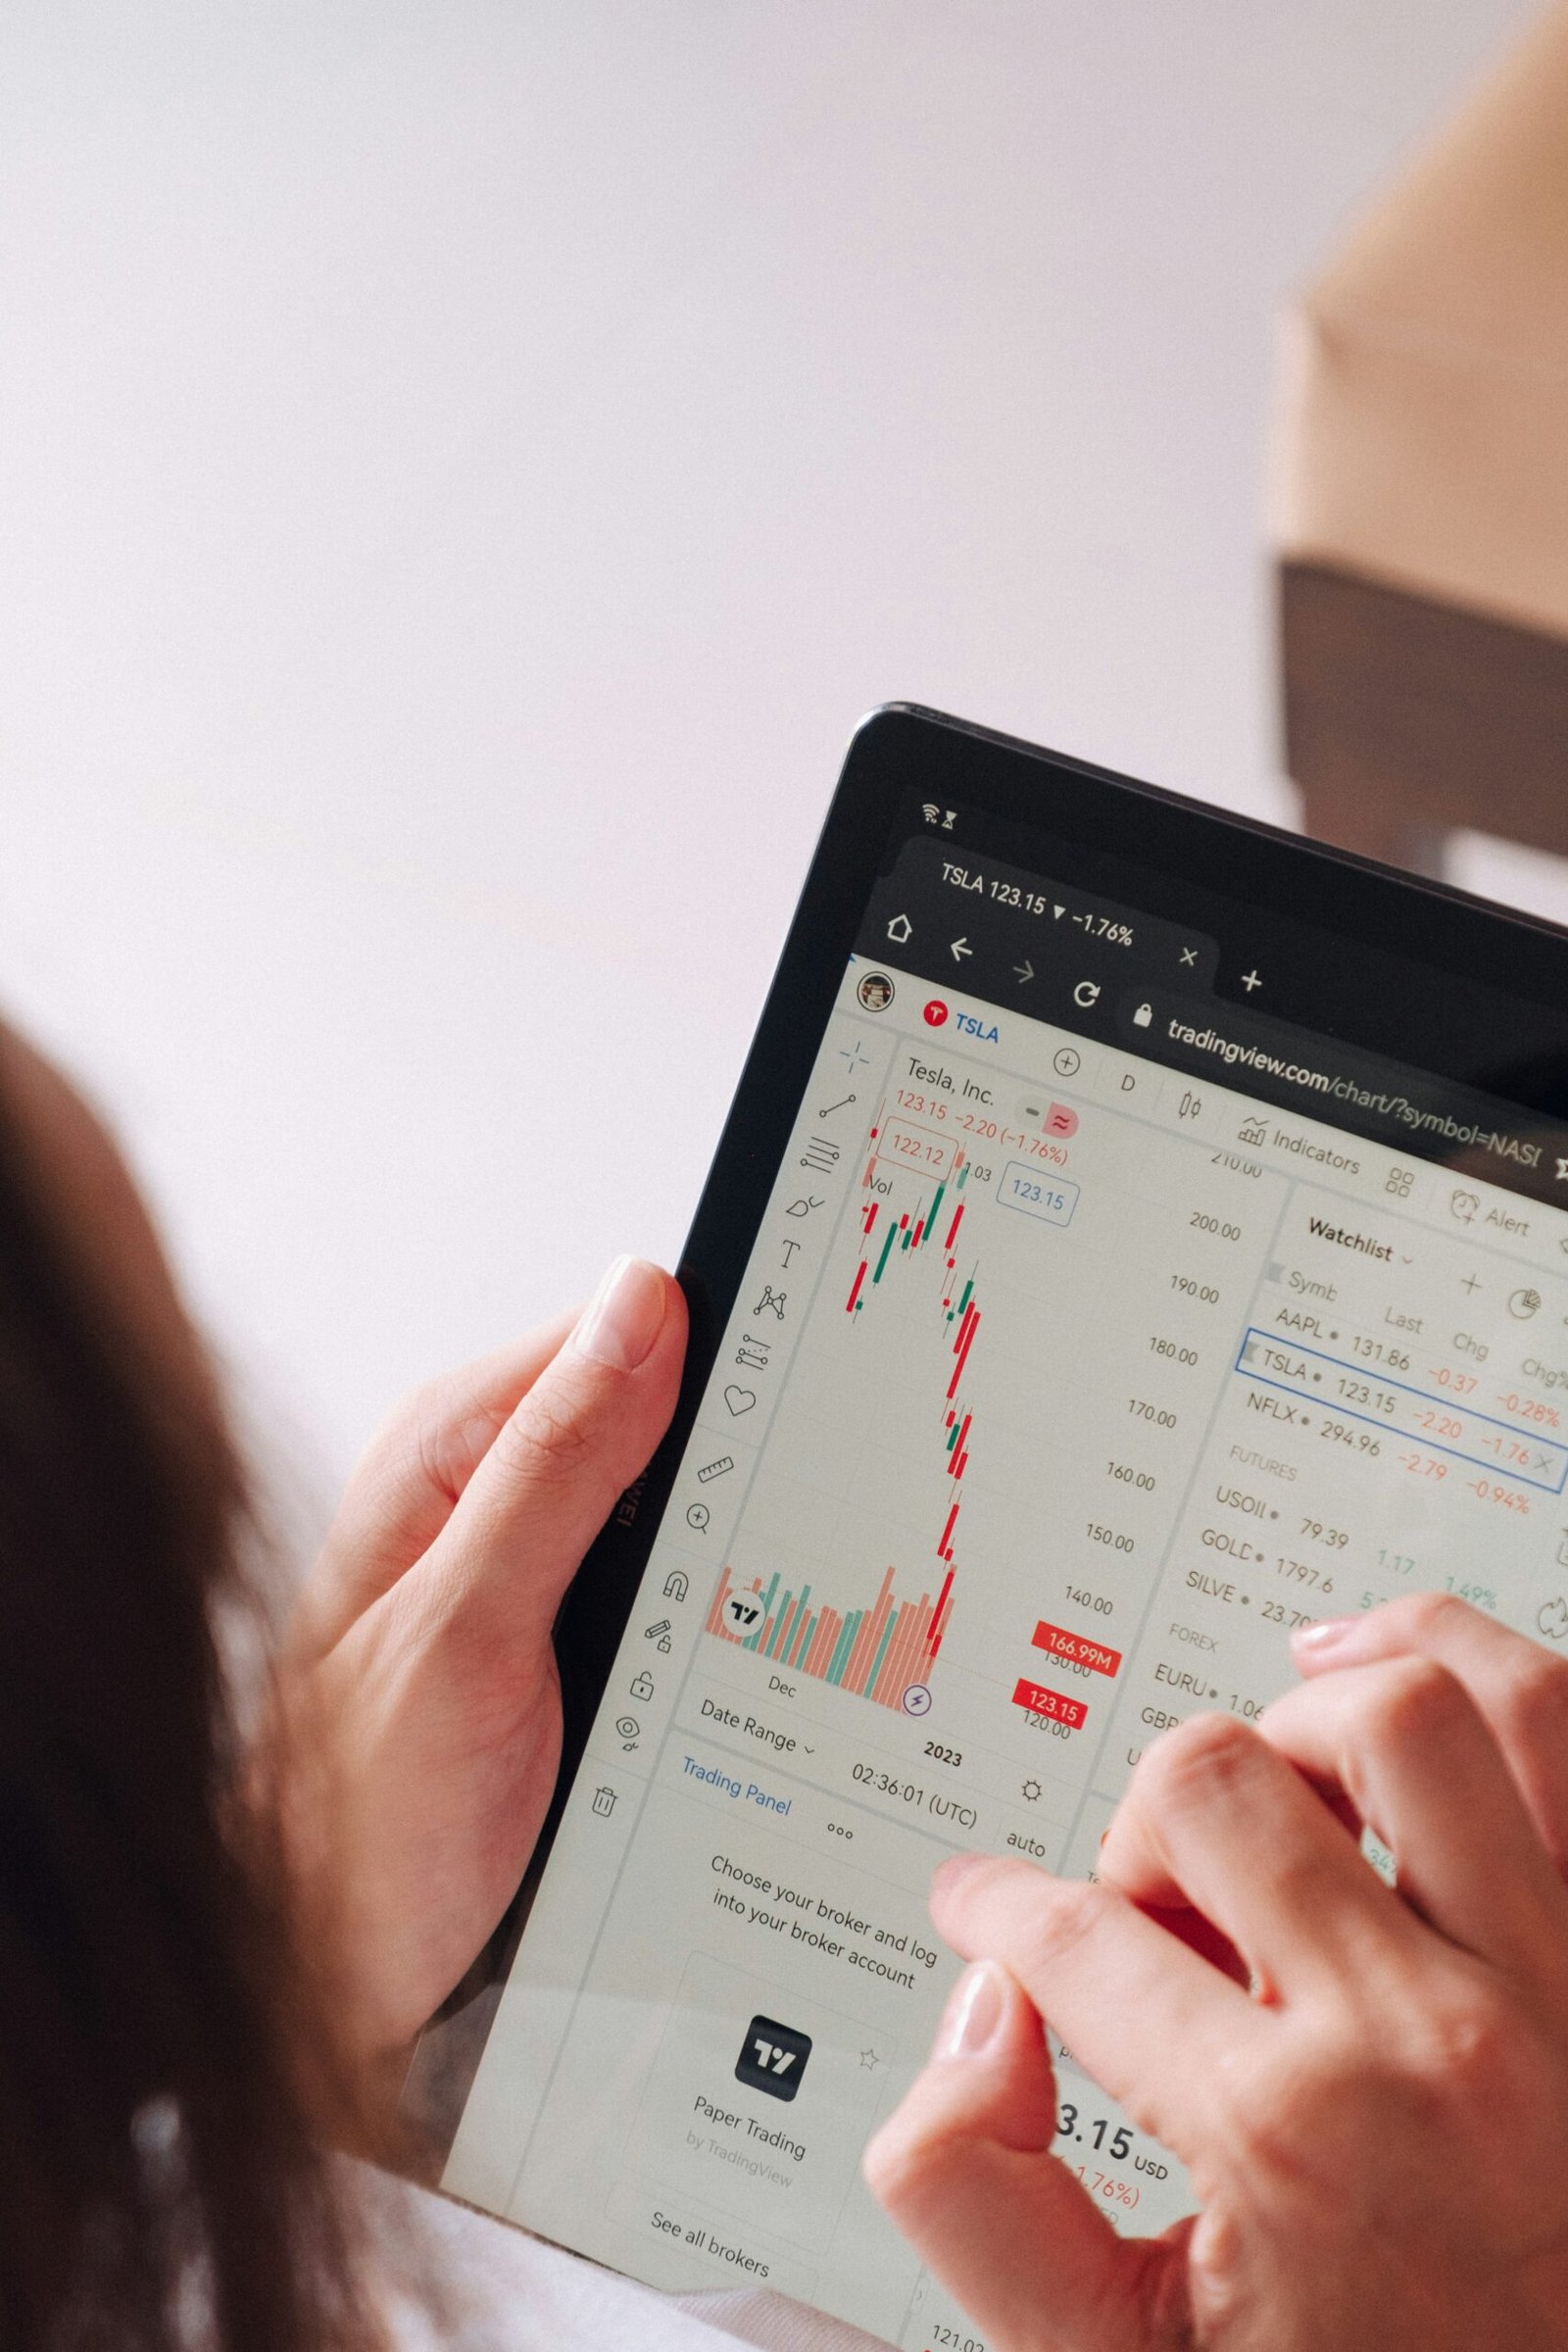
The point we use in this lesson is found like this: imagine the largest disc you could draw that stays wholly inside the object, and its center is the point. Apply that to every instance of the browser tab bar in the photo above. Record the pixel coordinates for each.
(1064, 957)
(1024, 936)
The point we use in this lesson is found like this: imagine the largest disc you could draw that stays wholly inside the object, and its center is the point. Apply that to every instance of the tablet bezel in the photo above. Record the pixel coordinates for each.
(900, 756)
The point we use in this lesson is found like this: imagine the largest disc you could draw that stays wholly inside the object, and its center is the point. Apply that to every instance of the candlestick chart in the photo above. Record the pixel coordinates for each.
(885, 1647)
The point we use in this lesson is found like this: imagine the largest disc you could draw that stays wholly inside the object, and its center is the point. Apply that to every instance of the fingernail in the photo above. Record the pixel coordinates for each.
(950, 1875)
(624, 1317)
(1322, 1635)
(973, 2015)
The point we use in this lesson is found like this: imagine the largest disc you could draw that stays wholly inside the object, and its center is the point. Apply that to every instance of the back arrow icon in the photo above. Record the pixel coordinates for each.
(1024, 970)
(961, 949)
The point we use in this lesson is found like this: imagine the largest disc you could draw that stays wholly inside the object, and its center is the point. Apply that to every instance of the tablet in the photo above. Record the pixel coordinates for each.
(1136, 1232)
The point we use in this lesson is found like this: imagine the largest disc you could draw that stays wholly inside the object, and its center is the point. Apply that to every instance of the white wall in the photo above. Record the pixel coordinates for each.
(464, 469)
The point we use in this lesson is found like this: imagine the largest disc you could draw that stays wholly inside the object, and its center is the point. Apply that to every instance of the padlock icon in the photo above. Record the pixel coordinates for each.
(1143, 1016)
(643, 1687)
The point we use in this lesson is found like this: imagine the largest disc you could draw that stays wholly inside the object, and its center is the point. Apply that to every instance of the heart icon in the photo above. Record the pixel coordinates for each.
(740, 1400)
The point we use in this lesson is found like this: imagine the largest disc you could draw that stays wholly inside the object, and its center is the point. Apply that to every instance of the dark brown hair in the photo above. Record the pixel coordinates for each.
(160, 2186)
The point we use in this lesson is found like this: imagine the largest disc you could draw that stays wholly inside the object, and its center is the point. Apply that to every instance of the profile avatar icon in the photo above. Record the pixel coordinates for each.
(875, 991)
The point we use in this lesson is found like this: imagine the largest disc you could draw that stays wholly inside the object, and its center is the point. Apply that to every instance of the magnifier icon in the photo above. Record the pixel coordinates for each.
(698, 1516)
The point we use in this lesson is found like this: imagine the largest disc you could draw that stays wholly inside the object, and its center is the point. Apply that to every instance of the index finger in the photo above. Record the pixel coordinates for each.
(412, 1477)
(1158, 2028)
(1520, 1688)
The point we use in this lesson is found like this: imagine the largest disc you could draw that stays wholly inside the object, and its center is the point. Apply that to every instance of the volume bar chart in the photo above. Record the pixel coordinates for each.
(879, 1652)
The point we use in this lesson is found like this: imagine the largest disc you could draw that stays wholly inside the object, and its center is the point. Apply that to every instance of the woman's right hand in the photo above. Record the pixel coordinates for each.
(1369, 2088)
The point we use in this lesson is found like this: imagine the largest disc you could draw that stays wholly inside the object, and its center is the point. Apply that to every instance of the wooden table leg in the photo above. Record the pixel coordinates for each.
(1407, 718)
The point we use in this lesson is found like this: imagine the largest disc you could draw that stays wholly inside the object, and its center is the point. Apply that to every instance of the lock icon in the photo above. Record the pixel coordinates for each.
(643, 1687)
(1143, 1016)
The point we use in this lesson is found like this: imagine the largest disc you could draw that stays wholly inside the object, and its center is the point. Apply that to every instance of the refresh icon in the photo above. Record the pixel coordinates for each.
(1086, 994)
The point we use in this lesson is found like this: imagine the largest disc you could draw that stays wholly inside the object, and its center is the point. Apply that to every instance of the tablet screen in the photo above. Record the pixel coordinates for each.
(1099, 1328)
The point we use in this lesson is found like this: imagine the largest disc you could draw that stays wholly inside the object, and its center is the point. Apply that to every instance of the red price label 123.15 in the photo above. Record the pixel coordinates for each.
(1054, 1703)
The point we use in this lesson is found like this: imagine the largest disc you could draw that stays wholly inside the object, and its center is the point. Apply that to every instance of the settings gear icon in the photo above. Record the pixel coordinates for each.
(1030, 1790)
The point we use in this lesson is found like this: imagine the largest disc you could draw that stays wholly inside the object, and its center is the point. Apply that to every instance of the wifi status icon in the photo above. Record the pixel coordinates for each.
(930, 812)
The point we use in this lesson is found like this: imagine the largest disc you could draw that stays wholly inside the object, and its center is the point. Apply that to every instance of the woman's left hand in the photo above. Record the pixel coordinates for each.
(421, 1707)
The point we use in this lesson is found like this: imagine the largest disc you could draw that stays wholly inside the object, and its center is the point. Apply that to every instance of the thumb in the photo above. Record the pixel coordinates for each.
(572, 1444)
(964, 2169)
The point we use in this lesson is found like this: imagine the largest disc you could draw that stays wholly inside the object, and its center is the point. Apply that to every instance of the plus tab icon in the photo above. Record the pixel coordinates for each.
(1249, 981)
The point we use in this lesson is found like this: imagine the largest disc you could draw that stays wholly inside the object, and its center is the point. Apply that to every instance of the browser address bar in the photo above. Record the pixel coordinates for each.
(1298, 1070)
